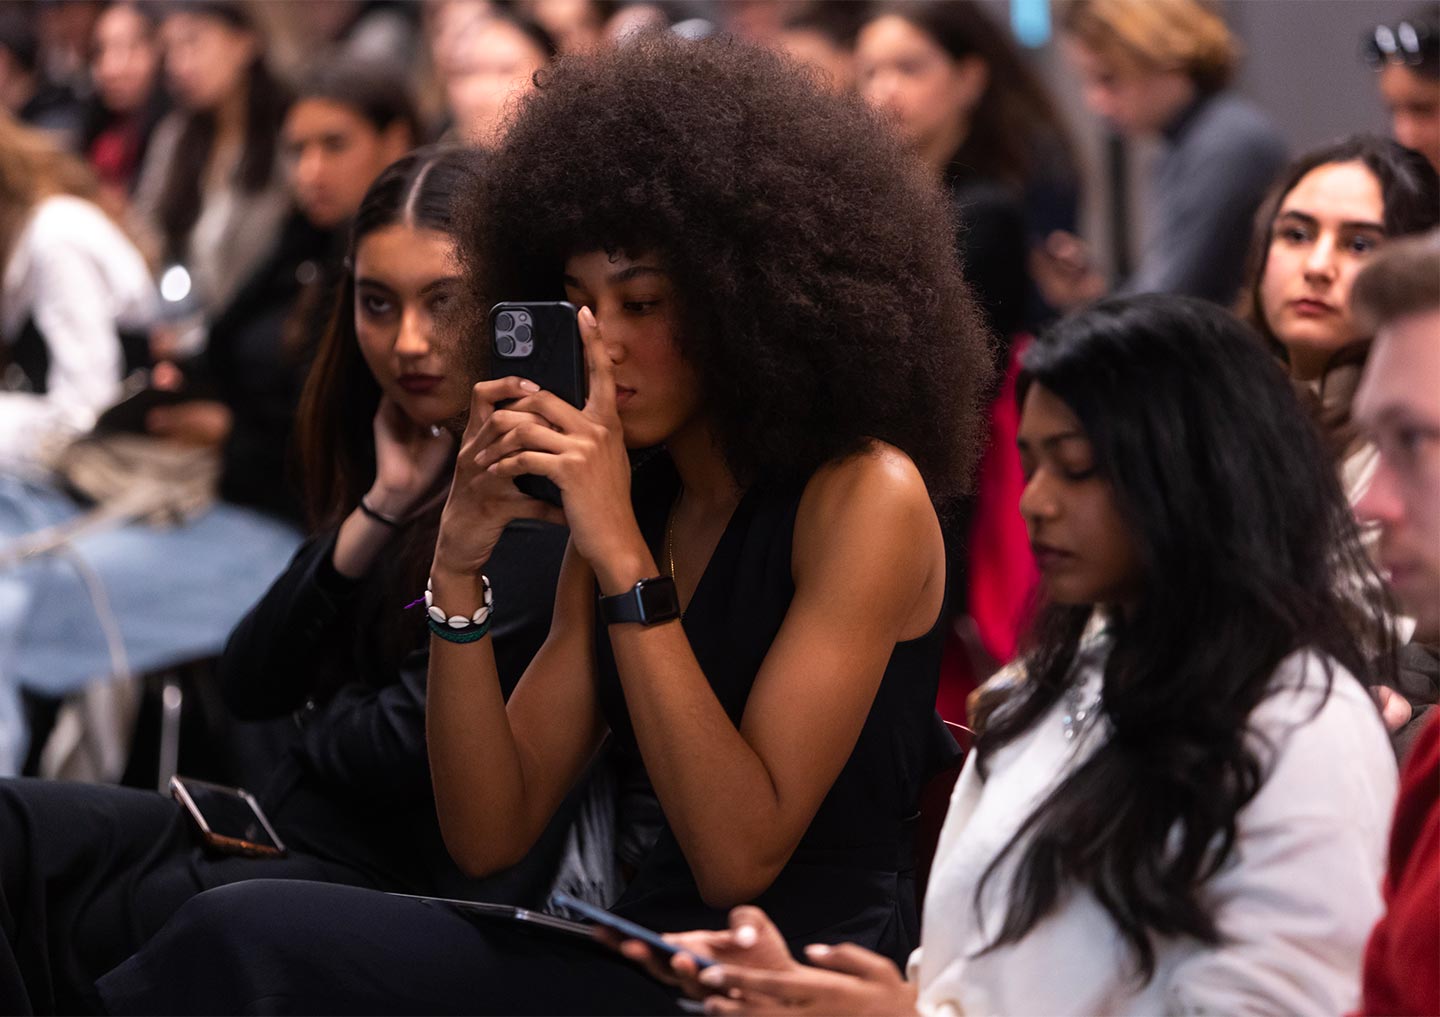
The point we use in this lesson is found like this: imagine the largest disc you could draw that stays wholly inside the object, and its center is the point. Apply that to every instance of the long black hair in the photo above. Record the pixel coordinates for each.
(1248, 552)
(266, 102)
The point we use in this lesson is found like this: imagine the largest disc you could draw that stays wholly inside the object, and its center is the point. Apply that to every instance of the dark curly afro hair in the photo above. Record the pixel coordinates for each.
(821, 301)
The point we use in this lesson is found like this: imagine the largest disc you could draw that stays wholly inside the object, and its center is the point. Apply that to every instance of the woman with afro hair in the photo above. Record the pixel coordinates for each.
(771, 304)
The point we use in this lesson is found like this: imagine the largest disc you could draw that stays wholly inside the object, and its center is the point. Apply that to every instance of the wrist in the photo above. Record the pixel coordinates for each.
(620, 572)
(460, 591)
(389, 502)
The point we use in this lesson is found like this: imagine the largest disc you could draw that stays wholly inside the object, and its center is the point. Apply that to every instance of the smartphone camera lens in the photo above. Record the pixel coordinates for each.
(504, 321)
(505, 344)
(522, 333)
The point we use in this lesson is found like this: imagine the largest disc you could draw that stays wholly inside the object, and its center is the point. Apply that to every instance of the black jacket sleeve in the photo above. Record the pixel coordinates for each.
(273, 656)
(369, 742)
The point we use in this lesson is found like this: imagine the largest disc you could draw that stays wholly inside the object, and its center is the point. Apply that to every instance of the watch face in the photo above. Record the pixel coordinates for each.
(658, 599)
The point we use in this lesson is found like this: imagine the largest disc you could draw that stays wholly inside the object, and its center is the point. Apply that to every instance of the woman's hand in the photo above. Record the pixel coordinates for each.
(846, 979)
(408, 459)
(752, 941)
(1063, 272)
(1394, 707)
(583, 452)
(481, 504)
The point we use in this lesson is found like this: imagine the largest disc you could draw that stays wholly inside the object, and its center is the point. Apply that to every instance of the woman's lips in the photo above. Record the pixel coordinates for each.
(420, 384)
(623, 395)
(1047, 557)
(1312, 308)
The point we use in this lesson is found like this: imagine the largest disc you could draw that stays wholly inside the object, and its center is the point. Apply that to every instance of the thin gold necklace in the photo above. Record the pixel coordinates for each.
(670, 537)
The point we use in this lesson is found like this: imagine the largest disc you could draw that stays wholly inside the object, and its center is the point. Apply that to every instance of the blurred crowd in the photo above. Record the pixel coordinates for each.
(186, 397)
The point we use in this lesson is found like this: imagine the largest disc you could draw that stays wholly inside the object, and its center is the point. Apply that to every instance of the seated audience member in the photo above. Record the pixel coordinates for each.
(1178, 798)
(212, 191)
(1406, 56)
(1397, 297)
(176, 591)
(24, 91)
(1331, 211)
(128, 101)
(822, 36)
(72, 282)
(806, 359)
(961, 95)
(89, 872)
(577, 26)
(488, 66)
(1161, 69)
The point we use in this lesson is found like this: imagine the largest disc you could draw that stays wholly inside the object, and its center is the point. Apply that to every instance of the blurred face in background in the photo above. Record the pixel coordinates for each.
(1136, 99)
(125, 58)
(575, 25)
(1398, 403)
(494, 63)
(333, 153)
(1325, 230)
(207, 60)
(907, 75)
(1413, 101)
(816, 49)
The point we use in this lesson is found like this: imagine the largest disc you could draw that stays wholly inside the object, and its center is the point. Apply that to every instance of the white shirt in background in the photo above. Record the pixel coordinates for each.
(1295, 902)
(81, 280)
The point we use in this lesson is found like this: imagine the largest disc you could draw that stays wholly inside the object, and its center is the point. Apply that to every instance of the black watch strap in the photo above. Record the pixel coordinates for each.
(648, 602)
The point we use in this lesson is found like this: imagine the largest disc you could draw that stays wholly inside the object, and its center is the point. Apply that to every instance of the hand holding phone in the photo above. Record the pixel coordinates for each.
(540, 341)
(628, 929)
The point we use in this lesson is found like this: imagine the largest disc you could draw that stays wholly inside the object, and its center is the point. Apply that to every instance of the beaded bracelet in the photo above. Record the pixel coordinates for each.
(458, 628)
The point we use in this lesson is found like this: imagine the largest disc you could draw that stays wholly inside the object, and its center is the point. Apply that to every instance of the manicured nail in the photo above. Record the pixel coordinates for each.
(746, 936)
(480, 458)
(817, 950)
(589, 315)
(713, 975)
(529, 386)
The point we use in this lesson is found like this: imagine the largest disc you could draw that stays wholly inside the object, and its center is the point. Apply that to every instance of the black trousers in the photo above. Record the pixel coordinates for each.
(270, 947)
(88, 873)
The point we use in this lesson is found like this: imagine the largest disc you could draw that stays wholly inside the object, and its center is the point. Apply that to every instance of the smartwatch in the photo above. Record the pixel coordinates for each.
(648, 602)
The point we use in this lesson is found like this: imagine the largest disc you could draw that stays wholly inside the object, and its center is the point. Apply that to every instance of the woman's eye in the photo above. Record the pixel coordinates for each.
(1364, 244)
(1292, 234)
(1076, 474)
(641, 306)
(375, 306)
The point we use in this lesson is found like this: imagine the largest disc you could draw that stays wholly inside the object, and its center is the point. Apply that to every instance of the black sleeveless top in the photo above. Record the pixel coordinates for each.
(852, 876)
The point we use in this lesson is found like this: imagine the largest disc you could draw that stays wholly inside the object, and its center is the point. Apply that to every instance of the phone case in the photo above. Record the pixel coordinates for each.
(540, 340)
(218, 841)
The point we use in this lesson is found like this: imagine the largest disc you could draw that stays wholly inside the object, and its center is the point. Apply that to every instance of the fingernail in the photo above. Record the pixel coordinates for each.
(529, 386)
(589, 315)
(712, 975)
(746, 936)
(480, 458)
(817, 950)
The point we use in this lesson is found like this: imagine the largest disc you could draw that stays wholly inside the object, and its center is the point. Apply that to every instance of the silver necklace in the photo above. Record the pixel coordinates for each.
(1077, 709)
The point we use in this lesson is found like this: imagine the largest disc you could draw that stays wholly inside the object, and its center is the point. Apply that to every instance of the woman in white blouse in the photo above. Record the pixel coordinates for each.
(1179, 798)
(70, 282)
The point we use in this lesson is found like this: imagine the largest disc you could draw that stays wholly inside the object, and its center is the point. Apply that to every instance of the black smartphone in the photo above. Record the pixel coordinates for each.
(540, 340)
(629, 929)
(229, 818)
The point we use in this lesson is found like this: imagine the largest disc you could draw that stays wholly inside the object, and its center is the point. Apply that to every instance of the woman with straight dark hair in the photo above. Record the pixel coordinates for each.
(1179, 796)
(211, 191)
(1331, 212)
(89, 872)
(965, 101)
